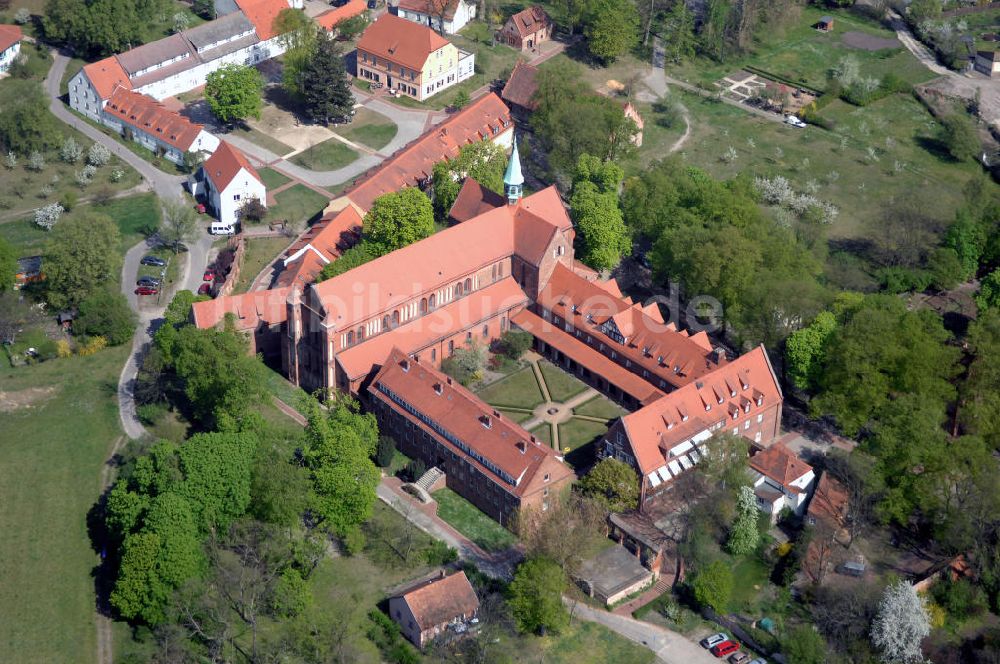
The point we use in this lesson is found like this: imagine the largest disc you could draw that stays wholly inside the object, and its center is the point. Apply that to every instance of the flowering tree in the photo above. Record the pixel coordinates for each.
(98, 155)
(71, 151)
(744, 536)
(901, 624)
(47, 216)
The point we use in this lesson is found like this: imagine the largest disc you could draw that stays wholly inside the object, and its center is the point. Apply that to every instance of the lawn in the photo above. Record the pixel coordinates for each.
(562, 386)
(329, 155)
(260, 253)
(467, 519)
(258, 137)
(279, 386)
(369, 128)
(750, 575)
(519, 390)
(297, 204)
(271, 178)
(515, 415)
(53, 454)
(580, 643)
(576, 438)
(543, 432)
(600, 406)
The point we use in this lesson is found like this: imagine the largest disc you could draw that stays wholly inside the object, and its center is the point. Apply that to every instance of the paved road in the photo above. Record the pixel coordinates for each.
(669, 647)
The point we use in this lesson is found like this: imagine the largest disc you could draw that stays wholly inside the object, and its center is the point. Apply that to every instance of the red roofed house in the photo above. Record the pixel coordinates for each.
(10, 45)
(322, 244)
(519, 91)
(829, 503)
(329, 19)
(150, 124)
(410, 58)
(425, 610)
(781, 479)
(228, 181)
(445, 16)
(526, 29)
(260, 315)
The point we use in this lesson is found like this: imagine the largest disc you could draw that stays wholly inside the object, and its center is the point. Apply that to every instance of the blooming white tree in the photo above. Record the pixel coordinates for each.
(901, 624)
(743, 535)
(71, 151)
(98, 155)
(47, 216)
(85, 175)
(10, 160)
(36, 161)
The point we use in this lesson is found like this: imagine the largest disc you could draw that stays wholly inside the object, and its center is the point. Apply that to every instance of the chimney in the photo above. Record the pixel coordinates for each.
(438, 388)
(718, 355)
(496, 414)
(522, 446)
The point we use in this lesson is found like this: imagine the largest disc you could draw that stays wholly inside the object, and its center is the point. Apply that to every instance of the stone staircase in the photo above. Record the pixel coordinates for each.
(428, 480)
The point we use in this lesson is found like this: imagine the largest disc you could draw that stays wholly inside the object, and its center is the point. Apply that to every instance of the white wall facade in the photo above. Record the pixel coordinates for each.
(449, 77)
(8, 56)
(83, 98)
(464, 13)
(227, 203)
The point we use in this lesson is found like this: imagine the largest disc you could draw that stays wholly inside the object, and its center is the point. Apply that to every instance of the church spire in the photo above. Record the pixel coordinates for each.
(512, 178)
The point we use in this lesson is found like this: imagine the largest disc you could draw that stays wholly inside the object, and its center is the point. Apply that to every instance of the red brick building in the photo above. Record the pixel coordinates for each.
(526, 29)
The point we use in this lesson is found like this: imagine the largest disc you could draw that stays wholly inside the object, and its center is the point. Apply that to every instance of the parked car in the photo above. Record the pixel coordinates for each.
(725, 648)
(205, 289)
(714, 640)
(148, 281)
(739, 658)
(200, 208)
(759, 660)
(795, 121)
(155, 261)
(146, 290)
(209, 275)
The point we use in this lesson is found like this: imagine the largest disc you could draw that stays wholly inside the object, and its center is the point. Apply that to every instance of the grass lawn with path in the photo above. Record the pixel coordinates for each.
(600, 406)
(296, 205)
(329, 155)
(580, 642)
(271, 178)
(519, 390)
(260, 252)
(469, 520)
(261, 139)
(515, 415)
(542, 432)
(54, 447)
(369, 128)
(562, 385)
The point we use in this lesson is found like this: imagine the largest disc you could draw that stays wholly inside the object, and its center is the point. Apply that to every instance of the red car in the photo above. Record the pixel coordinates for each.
(724, 648)
(209, 275)
(146, 290)
(205, 289)
(200, 207)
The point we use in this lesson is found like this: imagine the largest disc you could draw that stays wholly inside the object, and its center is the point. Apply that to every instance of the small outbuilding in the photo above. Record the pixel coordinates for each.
(825, 24)
(29, 270)
(428, 608)
(987, 62)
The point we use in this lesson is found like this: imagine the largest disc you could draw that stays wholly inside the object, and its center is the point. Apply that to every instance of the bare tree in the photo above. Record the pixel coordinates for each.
(566, 532)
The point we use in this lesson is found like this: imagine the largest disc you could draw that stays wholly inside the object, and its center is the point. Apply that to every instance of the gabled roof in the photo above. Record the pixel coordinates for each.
(225, 164)
(529, 21)
(433, 8)
(473, 200)
(223, 28)
(262, 14)
(829, 500)
(329, 19)
(400, 41)
(9, 35)
(521, 86)
(152, 117)
(441, 600)
(323, 243)
(485, 118)
(250, 309)
(106, 75)
(780, 464)
(154, 53)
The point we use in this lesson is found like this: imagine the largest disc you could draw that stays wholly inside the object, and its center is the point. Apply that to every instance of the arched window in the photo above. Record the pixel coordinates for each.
(468, 285)
(494, 272)
(458, 289)
(423, 305)
(395, 318)
(486, 331)
(361, 333)
(385, 322)
(432, 302)
(350, 338)
(500, 270)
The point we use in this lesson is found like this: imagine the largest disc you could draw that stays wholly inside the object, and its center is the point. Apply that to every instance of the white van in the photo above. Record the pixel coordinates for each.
(222, 228)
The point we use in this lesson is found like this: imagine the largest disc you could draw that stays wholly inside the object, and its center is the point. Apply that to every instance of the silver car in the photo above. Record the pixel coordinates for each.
(714, 640)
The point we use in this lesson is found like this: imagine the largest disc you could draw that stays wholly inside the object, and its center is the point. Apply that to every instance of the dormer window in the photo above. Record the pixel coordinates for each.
(684, 418)
(746, 408)
(438, 389)
(486, 421)
(732, 393)
(708, 407)
(760, 401)
(720, 400)
(677, 369)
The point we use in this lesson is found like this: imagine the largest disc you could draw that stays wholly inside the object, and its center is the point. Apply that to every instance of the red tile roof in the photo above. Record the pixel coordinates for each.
(521, 86)
(491, 441)
(829, 500)
(441, 600)
(780, 464)
(262, 14)
(434, 8)
(735, 391)
(400, 41)
(251, 309)
(321, 244)
(419, 333)
(438, 261)
(473, 200)
(529, 21)
(328, 20)
(106, 75)
(9, 35)
(225, 164)
(152, 117)
(485, 118)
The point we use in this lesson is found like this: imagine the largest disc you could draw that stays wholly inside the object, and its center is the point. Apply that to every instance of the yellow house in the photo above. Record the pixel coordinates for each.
(410, 58)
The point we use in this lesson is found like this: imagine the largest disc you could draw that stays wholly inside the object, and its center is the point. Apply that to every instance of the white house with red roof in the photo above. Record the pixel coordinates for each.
(445, 16)
(10, 45)
(228, 181)
(781, 479)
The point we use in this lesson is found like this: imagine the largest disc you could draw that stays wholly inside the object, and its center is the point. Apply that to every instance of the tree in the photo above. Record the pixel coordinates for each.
(8, 265)
(204, 9)
(106, 314)
(989, 291)
(26, 125)
(466, 364)
(253, 210)
(901, 624)
(595, 211)
(804, 645)
(677, 34)
(713, 586)
(396, 220)
(385, 452)
(81, 255)
(959, 137)
(326, 86)
(613, 483)
(611, 29)
(571, 529)
(536, 597)
(483, 161)
(806, 348)
(299, 34)
(515, 343)
(980, 393)
(217, 474)
(279, 487)
(178, 225)
(744, 535)
(234, 92)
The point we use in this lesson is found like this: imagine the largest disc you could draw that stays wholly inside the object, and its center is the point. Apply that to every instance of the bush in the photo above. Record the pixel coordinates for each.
(92, 345)
(291, 594)
(415, 470)
(354, 541)
(108, 315)
(150, 413)
(439, 553)
(68, 200)
(959, 137)
(960, 598)
(904, 280)
(253, 211)
(385, 452)
(713, 586)
(514, 343)
(98, 155)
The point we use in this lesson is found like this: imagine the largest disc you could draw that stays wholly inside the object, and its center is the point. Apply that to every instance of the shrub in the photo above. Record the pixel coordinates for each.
(960, 598)
(713, 585)
(291, 594)
(415, 470)
(68, 200)
(70, 151)
(63, 348)
(515, 343)
(22, 16)
(439, 553)
(107, 315)
(253, 211)
(354, 541)
(98, 155)
(92, 345)
(48, 215)
(385, 452)
(150, 413)
(36, 161)
(85, 175)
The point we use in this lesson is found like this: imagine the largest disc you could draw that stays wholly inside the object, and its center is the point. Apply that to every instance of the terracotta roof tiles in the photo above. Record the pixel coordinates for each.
(529, 21)
(9, 35)
(521, 86)
(433, 8)
(147, 114)
(779, 464)
(225, 164)
(400, 41)
(328, 20)
(262, 14)
(441, 600)
(473, 200)
(106, 75)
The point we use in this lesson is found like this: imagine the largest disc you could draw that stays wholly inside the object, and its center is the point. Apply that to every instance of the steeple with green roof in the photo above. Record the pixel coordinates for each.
(513, 180)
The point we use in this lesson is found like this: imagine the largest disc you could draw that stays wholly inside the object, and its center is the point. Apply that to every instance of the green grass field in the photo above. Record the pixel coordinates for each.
(263, 140)
(271, 178)
(297, 204)
(260, 253)
(467, 519)
(53, 449)
(543, 432)
(329, 155)
(369, 128)
(519, 390)
(562, 386)
(600, 406)
(580, 643)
